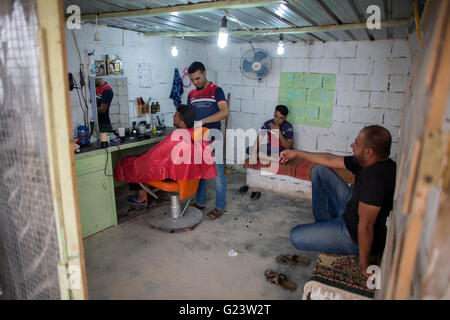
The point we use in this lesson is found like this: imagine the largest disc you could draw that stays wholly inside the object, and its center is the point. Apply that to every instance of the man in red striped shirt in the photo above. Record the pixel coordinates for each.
(211, 107)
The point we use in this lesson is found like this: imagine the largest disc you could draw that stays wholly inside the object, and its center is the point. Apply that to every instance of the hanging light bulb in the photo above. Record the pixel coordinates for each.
(96, 36)
(280, 49)
(223, 34)
(174, 48)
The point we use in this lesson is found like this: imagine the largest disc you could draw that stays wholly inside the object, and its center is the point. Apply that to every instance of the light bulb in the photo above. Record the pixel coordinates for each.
(280, 49)
(174, 51)
(223, 38)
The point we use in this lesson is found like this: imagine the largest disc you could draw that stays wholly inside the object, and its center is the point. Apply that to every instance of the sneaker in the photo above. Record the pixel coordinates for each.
(135, 203)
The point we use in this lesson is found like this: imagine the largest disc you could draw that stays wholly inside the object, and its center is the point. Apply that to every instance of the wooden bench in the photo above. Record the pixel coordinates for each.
(291, 177)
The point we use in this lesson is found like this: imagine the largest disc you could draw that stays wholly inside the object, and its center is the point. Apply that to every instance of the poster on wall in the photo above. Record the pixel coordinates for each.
(309, 97)
(145, 75)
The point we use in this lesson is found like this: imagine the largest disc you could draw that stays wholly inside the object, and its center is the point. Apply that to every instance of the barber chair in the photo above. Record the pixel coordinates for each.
(174, 217)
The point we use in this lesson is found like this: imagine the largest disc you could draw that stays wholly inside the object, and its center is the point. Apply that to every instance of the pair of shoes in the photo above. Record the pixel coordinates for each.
(135, 203)
(215, 214)
(198, 206)
(292, 259)
(279, 280)
(255, 195)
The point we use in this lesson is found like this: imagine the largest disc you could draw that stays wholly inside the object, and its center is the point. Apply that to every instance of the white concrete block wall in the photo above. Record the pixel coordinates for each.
(371, 78)
(134, 48)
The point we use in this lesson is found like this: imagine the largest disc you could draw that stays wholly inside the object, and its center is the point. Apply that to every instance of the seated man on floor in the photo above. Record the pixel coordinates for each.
(280, 135)
(162, 161)
(350, 221)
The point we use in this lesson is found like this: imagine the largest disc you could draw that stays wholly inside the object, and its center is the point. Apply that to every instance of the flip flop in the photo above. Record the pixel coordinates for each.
(279, 280)
(255, 195)
(215, 214)
(292, 259)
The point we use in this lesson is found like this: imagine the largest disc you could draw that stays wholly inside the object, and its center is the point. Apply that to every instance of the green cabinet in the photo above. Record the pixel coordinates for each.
(96, 198)
(95, 183)
(96, 202)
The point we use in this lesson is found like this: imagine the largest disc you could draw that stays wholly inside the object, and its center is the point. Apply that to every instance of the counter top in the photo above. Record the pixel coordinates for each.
(95, 149)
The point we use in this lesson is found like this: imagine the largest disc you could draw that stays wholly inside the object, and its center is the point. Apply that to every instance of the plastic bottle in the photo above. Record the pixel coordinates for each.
(134, 130)
(83, 135)
(153, 108)
(92, 69)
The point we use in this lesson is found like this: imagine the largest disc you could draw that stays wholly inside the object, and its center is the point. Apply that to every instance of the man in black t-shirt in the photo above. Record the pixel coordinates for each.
(104, 96)
(350, 221)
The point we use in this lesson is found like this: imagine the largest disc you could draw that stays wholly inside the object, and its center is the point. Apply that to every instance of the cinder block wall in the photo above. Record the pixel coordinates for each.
(371, 78)
(133, 48)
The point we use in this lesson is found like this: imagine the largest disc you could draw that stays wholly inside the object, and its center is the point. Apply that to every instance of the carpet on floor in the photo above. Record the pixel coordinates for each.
(341, 274)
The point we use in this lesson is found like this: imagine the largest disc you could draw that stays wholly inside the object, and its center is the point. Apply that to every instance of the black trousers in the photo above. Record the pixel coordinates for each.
(134, 186)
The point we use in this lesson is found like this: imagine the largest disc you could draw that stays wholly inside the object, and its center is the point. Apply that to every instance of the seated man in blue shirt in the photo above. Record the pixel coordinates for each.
(280, 134)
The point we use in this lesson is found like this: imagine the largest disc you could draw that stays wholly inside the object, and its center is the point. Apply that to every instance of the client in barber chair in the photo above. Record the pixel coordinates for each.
(162, 161)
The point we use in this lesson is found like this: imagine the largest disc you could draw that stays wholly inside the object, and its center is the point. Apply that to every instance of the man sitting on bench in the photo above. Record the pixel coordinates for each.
(350, 221)
(280, 135)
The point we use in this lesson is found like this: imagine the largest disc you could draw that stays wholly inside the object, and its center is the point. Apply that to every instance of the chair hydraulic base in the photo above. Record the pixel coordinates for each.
(160, 218)
(171, 219)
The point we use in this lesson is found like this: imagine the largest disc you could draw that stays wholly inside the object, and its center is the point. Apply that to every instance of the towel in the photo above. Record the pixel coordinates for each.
(177, 88)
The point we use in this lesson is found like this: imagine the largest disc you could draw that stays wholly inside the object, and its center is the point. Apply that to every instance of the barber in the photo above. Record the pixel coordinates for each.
(210, 107)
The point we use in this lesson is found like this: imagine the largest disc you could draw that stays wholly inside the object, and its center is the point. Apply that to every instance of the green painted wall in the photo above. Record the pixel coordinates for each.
(309, 97)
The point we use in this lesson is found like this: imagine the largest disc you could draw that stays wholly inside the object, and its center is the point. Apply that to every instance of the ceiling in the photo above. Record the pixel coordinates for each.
(255, 20)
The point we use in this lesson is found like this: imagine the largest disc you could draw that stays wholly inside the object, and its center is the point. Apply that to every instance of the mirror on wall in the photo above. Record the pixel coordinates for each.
(118, 109)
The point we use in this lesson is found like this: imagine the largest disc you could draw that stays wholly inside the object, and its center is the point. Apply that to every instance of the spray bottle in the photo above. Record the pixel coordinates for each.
(92, 70)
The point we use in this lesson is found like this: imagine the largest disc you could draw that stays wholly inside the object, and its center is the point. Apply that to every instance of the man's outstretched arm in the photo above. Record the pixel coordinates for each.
(326, 159)
(367, 218)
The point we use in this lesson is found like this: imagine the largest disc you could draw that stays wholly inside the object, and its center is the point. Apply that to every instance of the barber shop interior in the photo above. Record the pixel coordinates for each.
(224, 150)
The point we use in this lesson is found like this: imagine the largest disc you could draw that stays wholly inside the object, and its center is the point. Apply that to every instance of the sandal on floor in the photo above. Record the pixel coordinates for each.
(215, 214)
(255, 195)
(243, 189)
(280, 280)
(198, 206)
(292, 259)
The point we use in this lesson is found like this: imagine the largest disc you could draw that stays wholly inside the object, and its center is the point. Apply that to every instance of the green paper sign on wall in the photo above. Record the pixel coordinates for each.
(309, 97)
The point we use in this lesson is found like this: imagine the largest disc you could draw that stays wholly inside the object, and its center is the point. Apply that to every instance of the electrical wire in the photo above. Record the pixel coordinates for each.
(79, 99)
(106, 163)
(85, 111)
(83, 93)
(254, 51)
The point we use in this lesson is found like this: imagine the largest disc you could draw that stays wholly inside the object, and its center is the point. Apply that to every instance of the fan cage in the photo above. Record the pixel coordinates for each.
(251, 53)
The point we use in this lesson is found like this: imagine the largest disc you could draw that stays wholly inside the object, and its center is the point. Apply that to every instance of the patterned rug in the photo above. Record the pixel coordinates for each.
(341, 271)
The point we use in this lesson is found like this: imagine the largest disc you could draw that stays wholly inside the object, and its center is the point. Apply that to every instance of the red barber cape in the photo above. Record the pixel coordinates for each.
(176, 157)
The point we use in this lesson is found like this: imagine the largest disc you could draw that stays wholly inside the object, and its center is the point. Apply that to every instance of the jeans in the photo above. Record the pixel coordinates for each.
(221, 189)
(329, 234)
